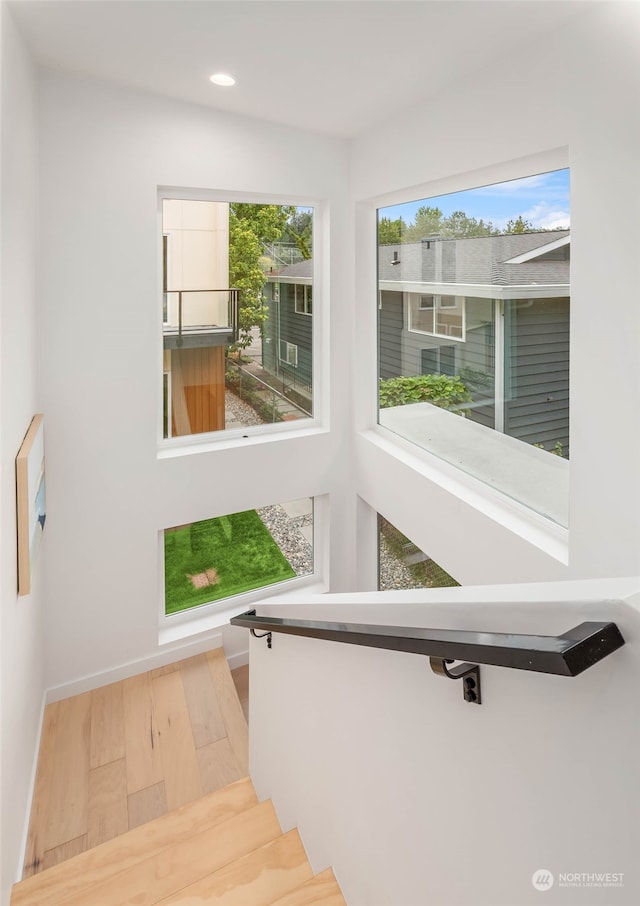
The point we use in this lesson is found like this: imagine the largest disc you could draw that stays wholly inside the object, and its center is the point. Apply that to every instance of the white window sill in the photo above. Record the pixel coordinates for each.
(211, 617)
(532, 477)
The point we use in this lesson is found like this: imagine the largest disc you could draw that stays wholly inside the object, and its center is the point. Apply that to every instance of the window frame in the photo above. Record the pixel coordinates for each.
(304, 305)
(170, 447)
(289, 347)
(415, 303)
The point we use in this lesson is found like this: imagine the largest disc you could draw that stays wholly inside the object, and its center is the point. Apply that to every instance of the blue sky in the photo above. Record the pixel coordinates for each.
(541, 199)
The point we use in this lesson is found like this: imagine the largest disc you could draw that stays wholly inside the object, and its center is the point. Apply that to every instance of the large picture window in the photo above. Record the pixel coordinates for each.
(484, 273)
(226, 319)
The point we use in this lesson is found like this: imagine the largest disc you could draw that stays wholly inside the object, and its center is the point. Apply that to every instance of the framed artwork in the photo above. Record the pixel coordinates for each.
(31, 504)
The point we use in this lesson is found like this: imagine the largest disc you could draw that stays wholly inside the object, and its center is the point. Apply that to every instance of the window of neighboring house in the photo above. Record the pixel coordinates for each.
(303, 299)
(213, 559)
(222, 354)
(438, 360)
(439, 315)
(485, 273)
(288, 353)
(402, 564)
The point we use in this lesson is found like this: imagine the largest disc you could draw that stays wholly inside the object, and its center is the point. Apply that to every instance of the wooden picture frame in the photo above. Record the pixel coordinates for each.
(31, 501)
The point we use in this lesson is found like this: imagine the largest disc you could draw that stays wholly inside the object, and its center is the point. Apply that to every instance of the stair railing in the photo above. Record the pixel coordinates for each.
(568, 654)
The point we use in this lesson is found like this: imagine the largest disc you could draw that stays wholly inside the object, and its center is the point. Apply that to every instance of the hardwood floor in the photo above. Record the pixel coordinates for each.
(115, 758)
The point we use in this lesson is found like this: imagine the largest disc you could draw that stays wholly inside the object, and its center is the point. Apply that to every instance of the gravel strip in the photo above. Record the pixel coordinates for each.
(285, 531)
(236, 410)
(394, 573)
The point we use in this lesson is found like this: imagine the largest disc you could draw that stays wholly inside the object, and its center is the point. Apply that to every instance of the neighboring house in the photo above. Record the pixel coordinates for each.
(199, 315)
(288, 337)
(493, 310)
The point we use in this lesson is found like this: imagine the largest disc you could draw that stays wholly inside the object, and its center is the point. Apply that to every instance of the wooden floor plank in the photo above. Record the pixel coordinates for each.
(65, 851)
(108, 815)
(35, 851)
(217, 765)
(147, 804)
(67, 806)
(122, 724)
(237, 731)
(186, 861)
(167, 668)
(107, 725)
(177, 749)
(98, 865)
(144, 764)
(207, 724)
(322, 890)
(257, 879)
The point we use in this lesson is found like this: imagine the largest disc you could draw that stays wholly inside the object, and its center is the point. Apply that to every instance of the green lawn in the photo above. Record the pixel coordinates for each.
(238, 547)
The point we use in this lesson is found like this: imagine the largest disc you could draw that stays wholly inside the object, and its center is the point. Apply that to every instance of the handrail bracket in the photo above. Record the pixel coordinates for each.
(260, 635)
(468, 673)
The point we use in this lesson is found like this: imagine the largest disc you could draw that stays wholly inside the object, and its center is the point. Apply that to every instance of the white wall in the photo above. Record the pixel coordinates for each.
(576, 91)
(21, 619)
(104, 152)
(415, 796)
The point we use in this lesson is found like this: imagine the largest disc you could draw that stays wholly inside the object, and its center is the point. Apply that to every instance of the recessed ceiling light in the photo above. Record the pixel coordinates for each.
(221, 78)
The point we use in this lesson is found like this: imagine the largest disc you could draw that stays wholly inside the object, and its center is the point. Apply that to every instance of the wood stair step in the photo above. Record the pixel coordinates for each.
(321, 890)
(75, 877)
(256, 879)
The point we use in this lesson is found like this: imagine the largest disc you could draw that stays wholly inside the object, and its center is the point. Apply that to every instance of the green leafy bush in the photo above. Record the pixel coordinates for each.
(439, 389)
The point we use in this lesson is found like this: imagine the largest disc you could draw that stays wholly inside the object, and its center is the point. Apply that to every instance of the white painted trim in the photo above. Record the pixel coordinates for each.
(22, 852)
(516, 517)
(498, 360)
(481, 290)
(539, 251)
(241, 659)
(133, 668)
(279, 278)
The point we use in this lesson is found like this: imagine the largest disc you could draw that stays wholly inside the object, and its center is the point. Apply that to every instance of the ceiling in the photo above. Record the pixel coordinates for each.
(332, 66)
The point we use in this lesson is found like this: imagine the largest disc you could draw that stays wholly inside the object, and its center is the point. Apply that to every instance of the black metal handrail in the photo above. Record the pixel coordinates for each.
(565, 655)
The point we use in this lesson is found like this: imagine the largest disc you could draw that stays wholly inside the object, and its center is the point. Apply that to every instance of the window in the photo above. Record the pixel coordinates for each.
(438, 315)
(288, 353)
(218, 558)
(223, 347)
(401, 563)
(303, 300)
(485, 274)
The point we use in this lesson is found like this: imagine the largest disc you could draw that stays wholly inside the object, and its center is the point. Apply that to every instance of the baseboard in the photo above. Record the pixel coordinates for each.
(124, 671)
(32, 788)
(238, 660)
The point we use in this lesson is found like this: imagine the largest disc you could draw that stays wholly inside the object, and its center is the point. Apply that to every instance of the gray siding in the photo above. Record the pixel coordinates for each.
(390, 325)
(537, 372)
(295, 328)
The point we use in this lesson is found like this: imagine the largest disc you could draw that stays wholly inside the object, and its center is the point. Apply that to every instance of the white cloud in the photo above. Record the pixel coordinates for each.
(545, 217)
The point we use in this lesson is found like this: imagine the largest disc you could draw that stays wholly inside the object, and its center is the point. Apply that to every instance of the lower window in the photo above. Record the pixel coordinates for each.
(401, 563)
(217, 558)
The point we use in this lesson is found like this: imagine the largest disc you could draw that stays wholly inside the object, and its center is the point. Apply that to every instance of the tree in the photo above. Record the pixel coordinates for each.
(459, 225)
(519, 225)
(299, 231)
(427, 222)
(390, 232)
(250, 225)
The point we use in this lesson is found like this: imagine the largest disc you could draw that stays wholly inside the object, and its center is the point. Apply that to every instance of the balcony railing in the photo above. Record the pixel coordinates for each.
(200, 317)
